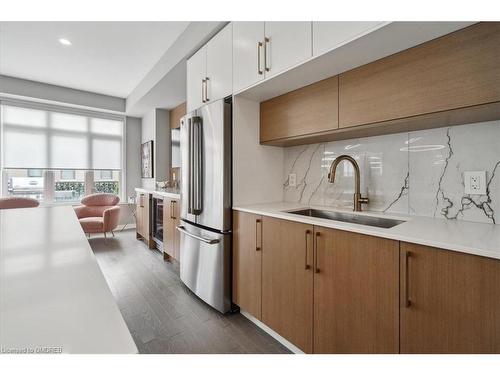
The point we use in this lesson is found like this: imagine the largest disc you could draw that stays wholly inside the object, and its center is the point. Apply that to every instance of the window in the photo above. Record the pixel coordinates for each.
(67, 174)
(56, 154)
(35, 173)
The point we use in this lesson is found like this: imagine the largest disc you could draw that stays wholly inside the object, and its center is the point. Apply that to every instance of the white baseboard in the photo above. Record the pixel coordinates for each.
(272, 333)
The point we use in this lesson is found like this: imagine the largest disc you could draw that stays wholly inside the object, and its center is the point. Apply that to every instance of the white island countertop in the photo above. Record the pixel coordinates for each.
(53, 295)
(463, 236)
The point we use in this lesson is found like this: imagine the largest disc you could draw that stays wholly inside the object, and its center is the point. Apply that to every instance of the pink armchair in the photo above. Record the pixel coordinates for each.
(99, 213)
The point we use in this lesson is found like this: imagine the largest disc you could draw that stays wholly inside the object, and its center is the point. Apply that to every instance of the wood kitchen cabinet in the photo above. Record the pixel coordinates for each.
(450, 302)
(287, 280)
(264, 49)
(457, 70)
(247, 262)
(356, 293)
(310, 109)
(142, 217)
(171, 237)
(210, 71)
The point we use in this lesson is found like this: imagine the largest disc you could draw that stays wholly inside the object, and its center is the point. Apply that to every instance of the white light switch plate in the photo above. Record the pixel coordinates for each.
(292, 179)
(475, 182)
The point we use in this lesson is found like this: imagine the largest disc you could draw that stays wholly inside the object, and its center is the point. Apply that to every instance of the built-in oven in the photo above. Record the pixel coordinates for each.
(157, 227)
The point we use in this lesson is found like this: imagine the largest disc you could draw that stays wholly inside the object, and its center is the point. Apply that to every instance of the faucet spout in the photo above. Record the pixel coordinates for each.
(358, 199)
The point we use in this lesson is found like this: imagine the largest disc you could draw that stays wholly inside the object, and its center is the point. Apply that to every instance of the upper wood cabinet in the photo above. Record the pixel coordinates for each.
(287, 280)
(458, 70)
(264, 49)
(449, 301)
(176, 114)
(247, 262)
(311, 109)
(328, 35)
(356, 293)
(210, 71)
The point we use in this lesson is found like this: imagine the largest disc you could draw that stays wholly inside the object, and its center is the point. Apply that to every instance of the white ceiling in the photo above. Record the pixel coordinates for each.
(105, 57)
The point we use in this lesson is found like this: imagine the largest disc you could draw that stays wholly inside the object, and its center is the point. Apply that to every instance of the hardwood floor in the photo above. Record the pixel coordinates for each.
(162, 314)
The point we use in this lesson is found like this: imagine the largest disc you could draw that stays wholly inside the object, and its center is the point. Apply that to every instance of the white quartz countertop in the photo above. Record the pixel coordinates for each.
(463, 236)
(53, 295)
(159, 192)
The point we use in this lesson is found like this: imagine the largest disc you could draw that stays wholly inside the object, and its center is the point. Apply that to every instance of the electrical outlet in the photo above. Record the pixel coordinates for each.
(475, 182)
(292, 179)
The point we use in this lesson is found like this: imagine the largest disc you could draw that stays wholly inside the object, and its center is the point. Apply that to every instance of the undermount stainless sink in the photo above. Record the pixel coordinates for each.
(372, 221)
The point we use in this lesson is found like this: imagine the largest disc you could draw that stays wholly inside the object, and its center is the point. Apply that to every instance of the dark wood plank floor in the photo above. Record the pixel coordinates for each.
(162, 314)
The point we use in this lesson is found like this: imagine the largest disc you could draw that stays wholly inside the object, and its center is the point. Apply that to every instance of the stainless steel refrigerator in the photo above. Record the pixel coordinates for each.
(205, 229)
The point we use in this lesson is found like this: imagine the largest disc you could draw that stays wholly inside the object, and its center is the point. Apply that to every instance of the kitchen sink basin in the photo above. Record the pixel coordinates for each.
(372, 221)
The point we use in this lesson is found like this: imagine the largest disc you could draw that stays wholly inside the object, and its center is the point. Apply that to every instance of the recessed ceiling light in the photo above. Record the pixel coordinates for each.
(64, 42)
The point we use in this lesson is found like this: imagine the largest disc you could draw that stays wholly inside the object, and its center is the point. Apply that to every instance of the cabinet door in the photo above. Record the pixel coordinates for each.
(196, 73)
(287, 280)
(142, 216)
(247, 262)
(176, 222)
(328, 35)
(139, 212)
(458, 70)
(356, 293)
(308, 110)
(247, 68)
(289, 44)
(454, 304)
(168, 227)
(220, 65)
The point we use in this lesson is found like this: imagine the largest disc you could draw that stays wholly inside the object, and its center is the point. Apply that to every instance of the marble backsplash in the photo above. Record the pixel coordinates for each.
(416, 173)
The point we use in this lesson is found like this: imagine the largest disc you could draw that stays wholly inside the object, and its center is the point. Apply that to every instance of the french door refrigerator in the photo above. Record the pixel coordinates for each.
(205, 229)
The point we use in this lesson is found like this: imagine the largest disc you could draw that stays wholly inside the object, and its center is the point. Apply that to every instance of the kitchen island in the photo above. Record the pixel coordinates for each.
(53, 295)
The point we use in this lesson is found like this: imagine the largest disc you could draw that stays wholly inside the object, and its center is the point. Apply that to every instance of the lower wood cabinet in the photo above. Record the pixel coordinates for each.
(142, 216)
(333, 291)
(356, 293)
(171, 237)
(450, 302)
(247, 262)
(287, 280)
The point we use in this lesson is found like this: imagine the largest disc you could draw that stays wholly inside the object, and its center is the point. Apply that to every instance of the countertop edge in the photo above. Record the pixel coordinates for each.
(159, 192)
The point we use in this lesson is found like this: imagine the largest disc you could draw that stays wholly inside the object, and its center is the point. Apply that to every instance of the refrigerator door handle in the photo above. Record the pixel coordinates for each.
(209, 241)
(190, 166)
(197, 166)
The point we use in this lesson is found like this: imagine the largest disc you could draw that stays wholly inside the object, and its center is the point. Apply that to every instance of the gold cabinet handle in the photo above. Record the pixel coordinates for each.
(316, 268)
(257, 242)
(203, 90)
(259, 69)
(266, 42)
(308, 232)
(407, 279)
(206, 89)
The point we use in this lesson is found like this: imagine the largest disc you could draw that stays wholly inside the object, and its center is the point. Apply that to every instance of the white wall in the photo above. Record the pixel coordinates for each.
(133, 154)
(162, 147)
(45, 91)
(257, 169)
(148, 133)
(156, 127)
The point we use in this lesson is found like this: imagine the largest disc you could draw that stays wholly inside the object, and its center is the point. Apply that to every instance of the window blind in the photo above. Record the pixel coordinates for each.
(58, 138)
